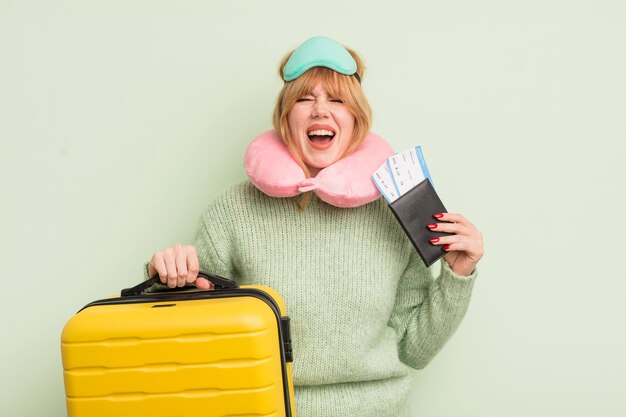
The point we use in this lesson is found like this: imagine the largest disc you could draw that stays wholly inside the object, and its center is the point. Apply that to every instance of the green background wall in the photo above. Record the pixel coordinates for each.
(121, 120)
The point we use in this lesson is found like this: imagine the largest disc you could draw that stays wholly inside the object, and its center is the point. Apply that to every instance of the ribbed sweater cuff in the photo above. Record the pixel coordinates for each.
(455, 285)
(146, 276)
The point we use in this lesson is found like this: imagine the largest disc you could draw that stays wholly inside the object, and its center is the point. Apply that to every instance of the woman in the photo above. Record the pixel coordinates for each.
(364, 308)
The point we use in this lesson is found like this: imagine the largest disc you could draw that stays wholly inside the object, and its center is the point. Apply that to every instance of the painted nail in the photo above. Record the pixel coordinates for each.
(438, 215)
(434, 240)
(432, 226)
(446, 247)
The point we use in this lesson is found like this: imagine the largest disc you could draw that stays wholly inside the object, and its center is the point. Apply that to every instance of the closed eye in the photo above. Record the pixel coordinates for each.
(336, 100)
(304, 99)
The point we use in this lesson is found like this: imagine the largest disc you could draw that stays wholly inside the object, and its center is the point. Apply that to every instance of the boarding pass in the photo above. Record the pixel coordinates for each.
(400, 173)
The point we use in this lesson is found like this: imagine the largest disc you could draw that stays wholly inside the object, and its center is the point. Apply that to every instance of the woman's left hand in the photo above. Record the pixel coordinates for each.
(465, 247)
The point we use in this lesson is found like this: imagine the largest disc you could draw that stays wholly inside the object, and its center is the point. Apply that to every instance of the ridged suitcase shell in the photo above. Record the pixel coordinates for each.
(189, 354)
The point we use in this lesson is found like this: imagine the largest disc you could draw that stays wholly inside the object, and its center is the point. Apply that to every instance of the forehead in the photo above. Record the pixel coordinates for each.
(320, 90)
(321, 80)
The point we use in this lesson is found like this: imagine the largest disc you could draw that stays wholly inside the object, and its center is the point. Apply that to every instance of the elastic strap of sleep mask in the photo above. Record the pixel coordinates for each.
(319, 51)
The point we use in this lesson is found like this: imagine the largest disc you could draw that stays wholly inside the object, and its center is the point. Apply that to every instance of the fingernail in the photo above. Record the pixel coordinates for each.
(438, 215)
(446, 247)
(432, 226)
(434, 240)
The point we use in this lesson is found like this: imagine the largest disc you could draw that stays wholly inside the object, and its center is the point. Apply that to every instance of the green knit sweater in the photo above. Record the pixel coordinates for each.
(364, 308)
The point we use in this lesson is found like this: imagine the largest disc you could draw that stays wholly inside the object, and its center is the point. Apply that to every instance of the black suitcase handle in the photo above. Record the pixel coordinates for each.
(220, 283)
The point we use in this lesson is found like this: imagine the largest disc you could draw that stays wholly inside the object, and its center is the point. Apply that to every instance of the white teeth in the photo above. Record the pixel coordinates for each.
(320, 133)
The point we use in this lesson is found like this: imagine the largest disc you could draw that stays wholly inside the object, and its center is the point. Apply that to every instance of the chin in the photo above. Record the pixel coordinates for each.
(321, 163)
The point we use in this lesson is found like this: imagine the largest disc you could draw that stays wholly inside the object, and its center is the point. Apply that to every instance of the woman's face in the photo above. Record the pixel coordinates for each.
(322, 127)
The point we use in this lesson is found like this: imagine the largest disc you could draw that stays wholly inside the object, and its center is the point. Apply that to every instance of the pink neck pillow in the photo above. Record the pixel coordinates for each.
(346, 183)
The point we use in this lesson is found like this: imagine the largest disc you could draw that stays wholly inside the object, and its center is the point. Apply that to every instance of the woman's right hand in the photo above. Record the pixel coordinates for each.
(178, 266)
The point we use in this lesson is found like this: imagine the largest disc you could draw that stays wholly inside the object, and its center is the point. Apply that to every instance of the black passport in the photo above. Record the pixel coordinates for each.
(414, 210)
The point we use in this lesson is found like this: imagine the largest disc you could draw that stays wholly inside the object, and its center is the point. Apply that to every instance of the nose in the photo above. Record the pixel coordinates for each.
(320, 109)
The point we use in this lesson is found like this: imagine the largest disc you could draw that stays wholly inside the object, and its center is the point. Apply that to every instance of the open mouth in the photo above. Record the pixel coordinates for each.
(320, 138)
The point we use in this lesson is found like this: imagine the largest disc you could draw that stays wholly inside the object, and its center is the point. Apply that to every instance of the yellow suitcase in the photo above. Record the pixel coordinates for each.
(223, 352)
